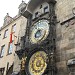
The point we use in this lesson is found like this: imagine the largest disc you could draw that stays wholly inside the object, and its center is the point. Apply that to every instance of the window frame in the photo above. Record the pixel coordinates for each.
(14, 27)
(9, 48)
(46, 9)
(2, 50)
(5, 33)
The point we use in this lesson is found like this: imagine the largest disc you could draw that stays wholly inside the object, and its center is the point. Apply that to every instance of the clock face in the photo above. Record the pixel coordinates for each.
(39, 31)
(37, 63)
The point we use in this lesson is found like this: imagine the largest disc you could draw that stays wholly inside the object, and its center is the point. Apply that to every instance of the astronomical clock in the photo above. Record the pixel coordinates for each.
(40, 38)
(37, 60)
(39, 31)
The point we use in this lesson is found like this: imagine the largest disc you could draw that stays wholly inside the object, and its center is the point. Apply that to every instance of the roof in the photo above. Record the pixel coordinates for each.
(14, 18)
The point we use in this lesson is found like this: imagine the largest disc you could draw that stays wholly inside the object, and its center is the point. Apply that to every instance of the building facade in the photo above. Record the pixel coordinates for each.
(49, 42)
(65, 41)
(45, 42)
(10, 34)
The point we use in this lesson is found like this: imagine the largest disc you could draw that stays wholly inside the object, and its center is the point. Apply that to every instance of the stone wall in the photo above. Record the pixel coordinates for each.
(65, 41)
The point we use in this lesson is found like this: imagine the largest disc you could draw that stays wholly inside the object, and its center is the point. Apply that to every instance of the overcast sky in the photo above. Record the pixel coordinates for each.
(9, 6)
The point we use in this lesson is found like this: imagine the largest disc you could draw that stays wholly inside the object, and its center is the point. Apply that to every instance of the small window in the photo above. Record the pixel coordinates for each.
(14, 28)
(36, 14)
(46, 9)
(2, 50)
(10, 49)
(6, 33)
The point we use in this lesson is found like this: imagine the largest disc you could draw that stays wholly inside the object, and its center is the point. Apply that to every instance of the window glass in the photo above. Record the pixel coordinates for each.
(2, 50)
(46, 9)
(6, 33)
(10, 49)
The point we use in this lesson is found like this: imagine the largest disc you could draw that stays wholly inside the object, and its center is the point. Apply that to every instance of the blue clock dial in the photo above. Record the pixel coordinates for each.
(39, 31)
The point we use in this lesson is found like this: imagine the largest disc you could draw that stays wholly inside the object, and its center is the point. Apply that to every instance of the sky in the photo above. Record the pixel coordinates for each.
(9, 6)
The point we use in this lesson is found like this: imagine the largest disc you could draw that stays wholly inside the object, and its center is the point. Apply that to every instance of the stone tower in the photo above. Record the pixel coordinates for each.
(49, 42)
